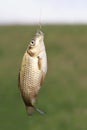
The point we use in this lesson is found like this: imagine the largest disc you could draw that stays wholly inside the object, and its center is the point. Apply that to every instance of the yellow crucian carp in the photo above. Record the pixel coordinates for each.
(32, 72)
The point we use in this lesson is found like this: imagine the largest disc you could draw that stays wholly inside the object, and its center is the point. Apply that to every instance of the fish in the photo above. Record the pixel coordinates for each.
(32, 72)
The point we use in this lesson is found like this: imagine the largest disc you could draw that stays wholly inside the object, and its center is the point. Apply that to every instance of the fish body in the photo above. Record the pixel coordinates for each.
(33, 71)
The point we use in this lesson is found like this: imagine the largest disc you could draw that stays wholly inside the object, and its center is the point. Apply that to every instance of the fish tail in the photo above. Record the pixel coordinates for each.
(30, 110)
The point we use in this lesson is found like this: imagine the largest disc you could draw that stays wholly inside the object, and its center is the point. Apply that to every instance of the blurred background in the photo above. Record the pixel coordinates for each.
(64, 92)
(47, 11)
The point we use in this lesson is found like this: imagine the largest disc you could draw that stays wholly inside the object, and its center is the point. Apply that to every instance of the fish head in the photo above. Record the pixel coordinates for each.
(36, 43)
(37, 39)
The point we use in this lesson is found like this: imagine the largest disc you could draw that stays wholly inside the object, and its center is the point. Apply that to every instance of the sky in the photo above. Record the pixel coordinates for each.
(46, 11)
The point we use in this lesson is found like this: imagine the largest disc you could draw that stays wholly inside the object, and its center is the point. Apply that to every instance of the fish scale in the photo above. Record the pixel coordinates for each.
(32, 72)
(32, 76)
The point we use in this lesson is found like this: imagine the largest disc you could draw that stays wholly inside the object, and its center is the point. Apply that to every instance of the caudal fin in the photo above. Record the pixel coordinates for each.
(30, 110)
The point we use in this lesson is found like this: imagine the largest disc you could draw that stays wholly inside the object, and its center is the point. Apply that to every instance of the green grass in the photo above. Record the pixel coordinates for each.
(64, 92)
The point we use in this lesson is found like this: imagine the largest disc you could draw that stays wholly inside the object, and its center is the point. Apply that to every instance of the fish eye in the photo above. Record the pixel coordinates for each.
(32, 42)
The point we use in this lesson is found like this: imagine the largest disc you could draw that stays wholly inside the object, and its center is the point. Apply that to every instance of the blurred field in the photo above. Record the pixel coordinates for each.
(64, 92)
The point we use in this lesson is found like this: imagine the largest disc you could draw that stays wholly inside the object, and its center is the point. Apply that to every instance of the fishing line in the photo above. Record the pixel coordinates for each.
(40, 25)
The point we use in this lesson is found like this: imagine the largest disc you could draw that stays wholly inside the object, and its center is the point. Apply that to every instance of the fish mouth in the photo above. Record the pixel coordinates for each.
(39, 33)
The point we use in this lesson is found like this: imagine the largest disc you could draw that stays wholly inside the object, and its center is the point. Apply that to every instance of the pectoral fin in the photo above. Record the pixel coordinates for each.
(39, 63)
(41, 68)
(42, 78)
